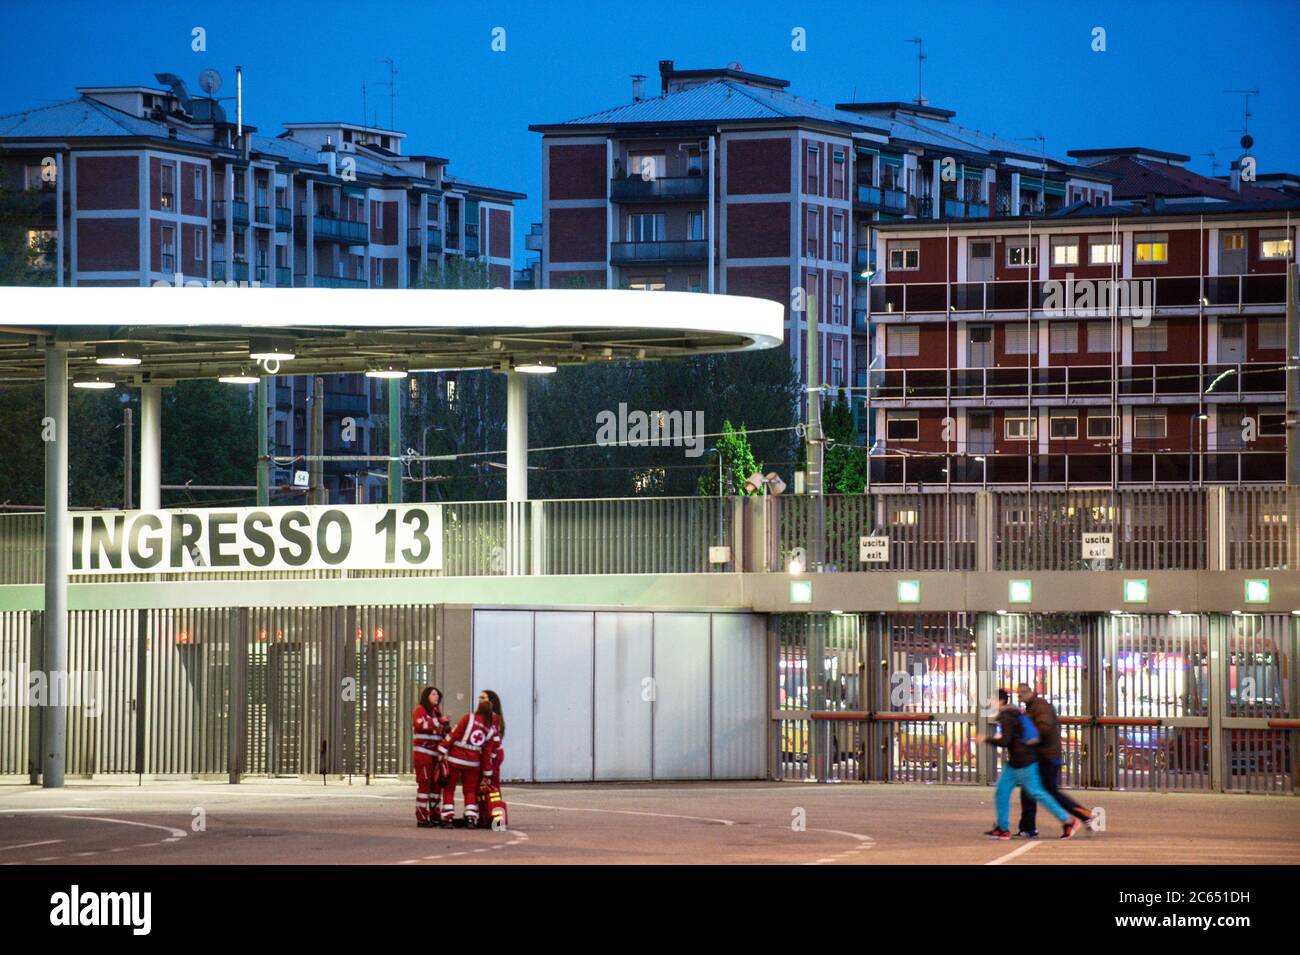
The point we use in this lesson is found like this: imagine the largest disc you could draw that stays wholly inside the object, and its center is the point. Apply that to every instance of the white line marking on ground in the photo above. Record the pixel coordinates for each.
(174, 835)
(29, 845)
(519, 837)
(625, 812)
(1012, 854)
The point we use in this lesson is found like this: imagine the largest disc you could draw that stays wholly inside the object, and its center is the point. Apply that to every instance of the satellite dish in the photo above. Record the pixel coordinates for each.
(210, 82)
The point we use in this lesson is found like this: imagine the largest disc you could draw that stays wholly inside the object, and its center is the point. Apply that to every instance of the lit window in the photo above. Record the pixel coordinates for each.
(1274, 245)
(1151, 248)
(1065, 250)
(1102, 251)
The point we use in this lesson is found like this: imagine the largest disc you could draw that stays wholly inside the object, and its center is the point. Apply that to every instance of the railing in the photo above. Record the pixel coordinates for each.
(1164, 529)
(636, 189)
(337, 281)
(338, 230)
(262, 215)
(902, 385)
(471, 245)
(435, 238)
(1184, 291)
(964, 209)
(340, 402)
(283, 218)
(236, 210)
(283, 277)
(629, 253)
(1129, 469)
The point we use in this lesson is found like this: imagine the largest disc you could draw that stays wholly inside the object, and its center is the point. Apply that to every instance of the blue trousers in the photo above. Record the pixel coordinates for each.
(1027, 778)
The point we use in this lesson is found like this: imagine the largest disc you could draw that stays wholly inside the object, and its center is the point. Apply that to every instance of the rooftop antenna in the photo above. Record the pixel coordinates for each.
(365, 108)
(1214, 163)
(920, 60)
(239, 101)
(392, 93)
(1245, 109)
(1039, 138)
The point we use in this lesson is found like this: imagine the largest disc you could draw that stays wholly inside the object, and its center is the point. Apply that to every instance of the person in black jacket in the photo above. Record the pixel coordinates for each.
(1019, 768)
(1043, 714)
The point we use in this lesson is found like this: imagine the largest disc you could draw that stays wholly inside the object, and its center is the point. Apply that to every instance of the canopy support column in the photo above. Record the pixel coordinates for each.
(150, 447)
(54, 621)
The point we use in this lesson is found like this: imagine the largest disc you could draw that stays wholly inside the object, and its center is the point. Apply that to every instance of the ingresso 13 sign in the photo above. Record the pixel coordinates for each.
(357, 537)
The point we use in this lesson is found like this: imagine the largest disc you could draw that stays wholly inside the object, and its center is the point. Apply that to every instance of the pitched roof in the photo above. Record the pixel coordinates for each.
(1137, 178)
(84, 118)
(722, 100)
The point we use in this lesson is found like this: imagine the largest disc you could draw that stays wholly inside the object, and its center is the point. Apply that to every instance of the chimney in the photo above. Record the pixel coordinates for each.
(1235, 178)
(638, 87)
(328, 156)
(665, 67)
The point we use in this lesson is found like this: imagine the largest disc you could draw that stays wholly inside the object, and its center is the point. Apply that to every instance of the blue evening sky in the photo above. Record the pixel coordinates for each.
(1012, 69)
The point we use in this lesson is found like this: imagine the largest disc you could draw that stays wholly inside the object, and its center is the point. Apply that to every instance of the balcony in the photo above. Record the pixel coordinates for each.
(283, 277)
(435, 238)
(1189, 292)
(283, 219)
(283, 397)
(861, 322)
(329, 229)
(238, 272)
(413, 238)
(337, 281)
(666, 252)
(636, 189)
(1076, 384)
(227, 213)
(964, 209)
(878, 197)
(345, 403)
(471, 245)
(262, 215)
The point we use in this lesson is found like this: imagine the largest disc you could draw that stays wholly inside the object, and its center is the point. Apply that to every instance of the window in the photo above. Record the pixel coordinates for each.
(903, 258)
(981, 334)
(1151, 338)
(695, 226)
(1099, 337)
(198, 185)
(1234, 241)
(1272, 424)
(1065, 250)
(902, 426)
(168, 249)
(645, 165)
(1149, 423)
(812, 170)
(1021, 254)
(1021, 429)
(812, 234)
(1102, 251)
(902, 340)
(168, 188)
(837, 237)
(981, 250)
(1101, 426)
(1064, 337)
(648, 284)
(199, 239)
(1151, 248)
(1274, 245)
(1018, 340)
(839, 174)
(837, 300)
(694, 165)
(34, 178)
(1064, 428)
(645, 227)
(379, 214)
(1272, 333)
(837, 362)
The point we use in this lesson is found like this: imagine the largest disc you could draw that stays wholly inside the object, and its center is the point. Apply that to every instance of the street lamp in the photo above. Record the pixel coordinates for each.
(1191, 424)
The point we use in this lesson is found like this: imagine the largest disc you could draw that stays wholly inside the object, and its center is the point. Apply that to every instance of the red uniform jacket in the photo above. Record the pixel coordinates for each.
(472, 744)
(427, 731)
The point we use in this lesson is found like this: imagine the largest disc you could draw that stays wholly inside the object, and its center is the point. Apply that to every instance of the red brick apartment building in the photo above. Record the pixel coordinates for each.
(142, 184)
(987, 373)
(727, 182)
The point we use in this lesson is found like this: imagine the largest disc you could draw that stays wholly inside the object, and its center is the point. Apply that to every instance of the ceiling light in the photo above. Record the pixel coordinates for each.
(115, 353)
(269, 349)
(535, 368)
(387, 370)
(96, 383)
(241, 377)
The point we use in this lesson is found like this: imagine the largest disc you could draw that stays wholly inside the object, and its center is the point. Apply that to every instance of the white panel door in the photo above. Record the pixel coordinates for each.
(739, 696)
(503, 661)
(681, 708)
(624, 697)
(562, 693)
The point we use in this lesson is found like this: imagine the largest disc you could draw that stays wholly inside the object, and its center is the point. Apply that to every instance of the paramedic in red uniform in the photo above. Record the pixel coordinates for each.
(428, 727)
(468, 749)
(490, 799)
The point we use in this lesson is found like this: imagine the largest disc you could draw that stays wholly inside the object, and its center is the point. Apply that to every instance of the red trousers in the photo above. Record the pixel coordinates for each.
(426, 787)
(467, 778)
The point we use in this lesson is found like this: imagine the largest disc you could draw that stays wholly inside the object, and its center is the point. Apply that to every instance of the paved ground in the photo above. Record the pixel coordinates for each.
(275, 821)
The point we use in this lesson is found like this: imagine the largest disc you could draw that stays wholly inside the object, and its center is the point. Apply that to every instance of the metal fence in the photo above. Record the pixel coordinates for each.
(1144, 701)
(1150, 529)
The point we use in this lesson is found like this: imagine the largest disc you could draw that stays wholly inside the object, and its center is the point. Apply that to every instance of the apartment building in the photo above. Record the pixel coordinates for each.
(1137, 343)
(727, 182)
(139, 185)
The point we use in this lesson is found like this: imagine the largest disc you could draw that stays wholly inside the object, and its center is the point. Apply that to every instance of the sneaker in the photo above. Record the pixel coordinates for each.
(996, 833)
(425, 824)
(1027, 834)
(1070, 828)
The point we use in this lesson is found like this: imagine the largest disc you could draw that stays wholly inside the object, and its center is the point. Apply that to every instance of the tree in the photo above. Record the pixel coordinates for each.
(738, 464)
(24, 258)
(845, 464)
